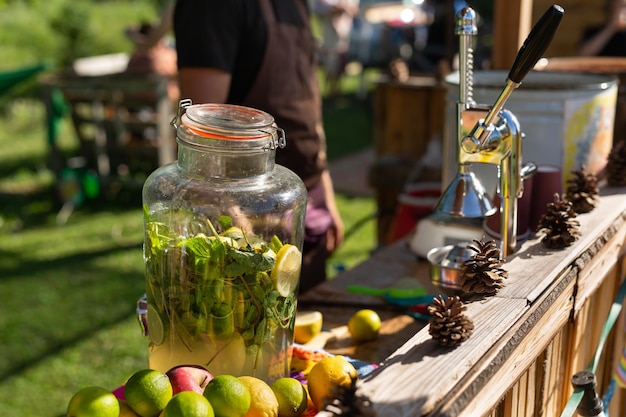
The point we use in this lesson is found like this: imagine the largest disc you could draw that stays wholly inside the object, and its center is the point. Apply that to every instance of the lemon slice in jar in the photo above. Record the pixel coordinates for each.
(286, 272)
(156, 331)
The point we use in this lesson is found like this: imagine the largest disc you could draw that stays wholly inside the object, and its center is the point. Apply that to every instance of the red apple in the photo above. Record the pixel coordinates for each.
(119, 393)
(189, 378)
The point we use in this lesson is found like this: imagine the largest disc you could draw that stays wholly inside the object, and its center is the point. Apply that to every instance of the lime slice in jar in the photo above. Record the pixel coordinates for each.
(155, 326)
(286, 272)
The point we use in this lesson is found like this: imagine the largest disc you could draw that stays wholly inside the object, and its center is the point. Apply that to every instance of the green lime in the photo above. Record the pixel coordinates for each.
(228, 395)
(93, 402)
(291, 396)
(188, 404)
(147, 392)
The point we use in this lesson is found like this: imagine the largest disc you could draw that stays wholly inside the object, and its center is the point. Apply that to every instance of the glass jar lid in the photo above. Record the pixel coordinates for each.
(227, 125)
(228, 121)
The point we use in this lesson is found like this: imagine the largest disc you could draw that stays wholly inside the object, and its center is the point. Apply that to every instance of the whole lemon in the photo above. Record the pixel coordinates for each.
(308, 324)
(326, 375)
(263, 402)
(188, 404)
(147, 392)
(93, 402)
(228, 395)
(291, 395)
(364, 325)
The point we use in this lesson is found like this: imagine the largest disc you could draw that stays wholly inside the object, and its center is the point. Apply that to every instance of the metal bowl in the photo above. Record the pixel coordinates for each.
(445, 266)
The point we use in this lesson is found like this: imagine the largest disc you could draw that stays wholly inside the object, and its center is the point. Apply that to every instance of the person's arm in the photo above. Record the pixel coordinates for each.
(204, 85)
(336, 232)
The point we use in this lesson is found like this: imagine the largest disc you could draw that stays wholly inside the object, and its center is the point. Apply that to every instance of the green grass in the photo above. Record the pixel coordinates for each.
(68, 292)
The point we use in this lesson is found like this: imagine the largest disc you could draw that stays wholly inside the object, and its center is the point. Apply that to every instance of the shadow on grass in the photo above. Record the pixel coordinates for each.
(29, 207)
(19, 367)
(27, 267)
(22, 163)
(72, 293)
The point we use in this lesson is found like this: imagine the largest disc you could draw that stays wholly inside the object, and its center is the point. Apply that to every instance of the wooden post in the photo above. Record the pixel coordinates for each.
(512, 23)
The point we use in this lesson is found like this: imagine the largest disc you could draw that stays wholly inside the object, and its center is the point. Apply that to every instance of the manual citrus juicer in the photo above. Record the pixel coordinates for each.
(494, 138)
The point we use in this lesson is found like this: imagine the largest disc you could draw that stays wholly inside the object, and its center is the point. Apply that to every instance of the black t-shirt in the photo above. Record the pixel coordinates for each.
(227, 34)
(616, 46)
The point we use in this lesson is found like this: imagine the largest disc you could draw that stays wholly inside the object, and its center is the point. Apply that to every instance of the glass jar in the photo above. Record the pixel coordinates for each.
(224, 228)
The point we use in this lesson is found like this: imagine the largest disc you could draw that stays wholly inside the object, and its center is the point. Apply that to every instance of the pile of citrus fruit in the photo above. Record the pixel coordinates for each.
(190, 391)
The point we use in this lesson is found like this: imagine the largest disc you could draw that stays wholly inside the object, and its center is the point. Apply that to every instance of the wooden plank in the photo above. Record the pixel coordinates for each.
(336, 339)
(618, 402)
(389, 265)
(552, 375)
(601, 259)
(420, 356)
(506, 361)
(512, 24)
(530, 277)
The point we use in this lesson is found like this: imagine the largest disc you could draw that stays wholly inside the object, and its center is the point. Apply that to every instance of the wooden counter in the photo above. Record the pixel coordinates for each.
(528, 341)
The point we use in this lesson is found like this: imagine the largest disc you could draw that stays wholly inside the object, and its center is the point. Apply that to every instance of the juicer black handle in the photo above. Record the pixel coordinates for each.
(536, 43)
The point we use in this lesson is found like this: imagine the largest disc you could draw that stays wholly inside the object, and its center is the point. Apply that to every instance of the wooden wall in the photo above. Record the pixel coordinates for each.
(579, 14)
(513, 20)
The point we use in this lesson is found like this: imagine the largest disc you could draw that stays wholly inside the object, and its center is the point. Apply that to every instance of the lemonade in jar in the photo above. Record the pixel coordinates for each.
(222, 249)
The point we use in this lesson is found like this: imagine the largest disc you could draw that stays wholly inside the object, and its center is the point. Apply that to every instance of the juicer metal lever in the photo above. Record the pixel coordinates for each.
(531, 51)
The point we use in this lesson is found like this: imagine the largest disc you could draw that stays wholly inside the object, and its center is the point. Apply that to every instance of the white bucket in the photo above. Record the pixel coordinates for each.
(567, 119)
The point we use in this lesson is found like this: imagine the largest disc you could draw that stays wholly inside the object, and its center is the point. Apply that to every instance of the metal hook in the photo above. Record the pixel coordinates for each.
(182, 107)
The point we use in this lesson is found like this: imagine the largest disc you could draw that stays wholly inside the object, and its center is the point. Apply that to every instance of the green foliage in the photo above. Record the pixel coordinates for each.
(60, 31)
(72, 24)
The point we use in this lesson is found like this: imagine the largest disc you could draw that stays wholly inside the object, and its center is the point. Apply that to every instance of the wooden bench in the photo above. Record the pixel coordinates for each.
(121, 121)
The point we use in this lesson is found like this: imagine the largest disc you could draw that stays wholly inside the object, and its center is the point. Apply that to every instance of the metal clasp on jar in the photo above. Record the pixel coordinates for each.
(182, 106)
(278, 140)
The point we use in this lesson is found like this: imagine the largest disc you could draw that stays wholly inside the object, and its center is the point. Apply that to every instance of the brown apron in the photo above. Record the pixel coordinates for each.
(286, 87)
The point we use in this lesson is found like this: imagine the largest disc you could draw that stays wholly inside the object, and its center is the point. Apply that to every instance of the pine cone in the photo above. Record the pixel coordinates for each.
(559, 224)
(347, 402)
(448, 325)
(583, 191)
(483, 274)
(616, 165)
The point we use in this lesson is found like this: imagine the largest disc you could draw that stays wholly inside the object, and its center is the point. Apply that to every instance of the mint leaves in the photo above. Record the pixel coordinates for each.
(216, 284)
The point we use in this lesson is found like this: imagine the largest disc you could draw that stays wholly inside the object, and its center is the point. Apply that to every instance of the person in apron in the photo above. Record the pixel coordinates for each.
(261, 54)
